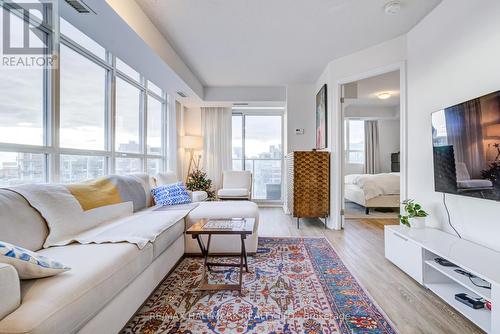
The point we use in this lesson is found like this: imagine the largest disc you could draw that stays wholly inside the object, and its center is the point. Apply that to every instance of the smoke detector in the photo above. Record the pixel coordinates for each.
(392, 7)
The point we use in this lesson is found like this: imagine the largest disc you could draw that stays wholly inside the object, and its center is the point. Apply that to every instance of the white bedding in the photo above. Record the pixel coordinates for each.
(374, 185)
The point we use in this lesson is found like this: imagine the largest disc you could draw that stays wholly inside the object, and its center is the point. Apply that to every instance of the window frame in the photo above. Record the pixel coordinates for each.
(261, 112)
(51, 112)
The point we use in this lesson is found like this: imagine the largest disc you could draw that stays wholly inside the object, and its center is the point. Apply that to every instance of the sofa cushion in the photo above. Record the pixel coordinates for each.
(167, 238)
(20, 224)
(64, 303)
(164, 178)
(9, 290)
(29, 264)
(64, 213)
(223, 209)
(233, 192)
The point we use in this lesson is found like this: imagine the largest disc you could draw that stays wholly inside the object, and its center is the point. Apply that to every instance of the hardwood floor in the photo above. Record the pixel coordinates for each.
(412, 308)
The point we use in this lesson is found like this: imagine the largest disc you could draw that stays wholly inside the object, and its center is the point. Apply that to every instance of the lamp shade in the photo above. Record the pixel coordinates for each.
(192, 142)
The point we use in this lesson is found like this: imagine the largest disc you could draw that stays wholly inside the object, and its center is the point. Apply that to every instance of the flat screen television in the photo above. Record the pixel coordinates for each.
(466, 146)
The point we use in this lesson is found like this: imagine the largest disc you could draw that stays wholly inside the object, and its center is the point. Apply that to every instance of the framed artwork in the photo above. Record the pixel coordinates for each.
(321, 118)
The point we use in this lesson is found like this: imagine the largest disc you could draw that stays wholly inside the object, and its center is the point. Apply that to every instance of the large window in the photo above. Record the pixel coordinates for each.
(83, 102)
(354, 141)
(128, 117)
(258, 147)
(97, 115)
(22, 98)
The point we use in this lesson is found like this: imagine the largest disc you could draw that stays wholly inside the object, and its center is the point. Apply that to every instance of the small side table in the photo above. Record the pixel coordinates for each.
(242, 227)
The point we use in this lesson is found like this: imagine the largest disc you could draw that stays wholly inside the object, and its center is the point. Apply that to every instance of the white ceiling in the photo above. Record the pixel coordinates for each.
(274, 42)
(369, 88)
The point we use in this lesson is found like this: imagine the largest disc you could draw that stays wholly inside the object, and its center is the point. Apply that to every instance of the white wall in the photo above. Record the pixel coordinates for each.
(135, 17)
(381, 58)
(453, 56)
(389, 139)
(300, 114)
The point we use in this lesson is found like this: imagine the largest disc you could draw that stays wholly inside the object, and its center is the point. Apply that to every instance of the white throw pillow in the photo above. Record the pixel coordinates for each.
(29, 264)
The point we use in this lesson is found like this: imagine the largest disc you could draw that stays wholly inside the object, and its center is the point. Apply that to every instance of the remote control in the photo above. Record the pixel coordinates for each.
(444, 262)
(465, 273)
(469, 301)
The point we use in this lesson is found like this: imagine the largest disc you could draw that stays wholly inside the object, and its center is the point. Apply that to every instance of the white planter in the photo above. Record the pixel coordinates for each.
(417, 222)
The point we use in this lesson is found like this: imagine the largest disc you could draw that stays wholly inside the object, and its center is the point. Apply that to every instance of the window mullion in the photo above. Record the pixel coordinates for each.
(111, 114)
(53, 107)
(164, 135)
(143, 131)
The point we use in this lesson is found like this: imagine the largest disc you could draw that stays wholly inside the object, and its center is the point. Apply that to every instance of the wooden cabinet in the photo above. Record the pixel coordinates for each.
(308, 184)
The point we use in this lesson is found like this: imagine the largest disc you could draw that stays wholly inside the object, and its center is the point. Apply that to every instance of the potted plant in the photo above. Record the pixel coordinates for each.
(198, 180)
(415, 215)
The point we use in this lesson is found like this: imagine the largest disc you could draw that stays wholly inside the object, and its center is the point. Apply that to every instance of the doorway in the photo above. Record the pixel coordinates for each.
(372, 145)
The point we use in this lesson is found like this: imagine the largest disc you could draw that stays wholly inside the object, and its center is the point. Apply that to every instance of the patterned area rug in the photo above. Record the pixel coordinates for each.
(296, 285)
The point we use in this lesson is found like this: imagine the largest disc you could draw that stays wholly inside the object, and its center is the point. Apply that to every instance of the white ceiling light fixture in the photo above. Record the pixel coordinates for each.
(392, 7)
(384, 95)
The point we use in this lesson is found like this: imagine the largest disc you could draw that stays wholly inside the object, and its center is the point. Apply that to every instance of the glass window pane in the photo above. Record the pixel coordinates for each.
(263, 137)
(153, 166)
(21, 100)
(82, 102)
(128, 165)
(76, 168)
(237, 165)
(356, 141)
(155, 89)
(80, 38)
(237, 138)
(128, 120)
(154, 126)
(127, 70)
(356, 135)
(267, 179)
(18, 168)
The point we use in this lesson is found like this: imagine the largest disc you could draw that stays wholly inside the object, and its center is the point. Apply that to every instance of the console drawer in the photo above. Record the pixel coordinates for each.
(405, 254)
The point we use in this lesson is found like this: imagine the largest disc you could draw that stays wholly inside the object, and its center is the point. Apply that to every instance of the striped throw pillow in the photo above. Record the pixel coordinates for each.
(171, 194)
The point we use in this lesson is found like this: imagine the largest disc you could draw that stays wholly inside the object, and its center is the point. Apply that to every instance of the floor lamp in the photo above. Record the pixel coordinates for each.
(191, 144)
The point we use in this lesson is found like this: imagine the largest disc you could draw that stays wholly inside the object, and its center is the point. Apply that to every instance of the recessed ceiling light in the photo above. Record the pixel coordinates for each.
(393, 7)
(384, 96)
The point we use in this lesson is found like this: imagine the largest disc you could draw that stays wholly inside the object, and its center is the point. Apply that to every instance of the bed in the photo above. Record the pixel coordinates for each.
(373, 190)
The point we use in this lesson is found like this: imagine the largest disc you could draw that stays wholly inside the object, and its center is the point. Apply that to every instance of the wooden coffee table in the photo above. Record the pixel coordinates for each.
(235, 226)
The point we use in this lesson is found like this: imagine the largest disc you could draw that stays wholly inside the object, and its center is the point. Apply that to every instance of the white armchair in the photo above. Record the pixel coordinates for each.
(236, 185)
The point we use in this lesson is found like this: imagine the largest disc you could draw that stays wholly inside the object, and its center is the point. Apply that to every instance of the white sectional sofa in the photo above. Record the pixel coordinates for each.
(107, 282)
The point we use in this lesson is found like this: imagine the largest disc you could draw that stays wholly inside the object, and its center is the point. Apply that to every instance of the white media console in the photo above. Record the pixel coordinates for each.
(414, 251)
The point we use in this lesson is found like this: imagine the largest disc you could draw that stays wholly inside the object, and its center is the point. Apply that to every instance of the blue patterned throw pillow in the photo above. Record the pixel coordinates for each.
(29, 264)
(171, 194)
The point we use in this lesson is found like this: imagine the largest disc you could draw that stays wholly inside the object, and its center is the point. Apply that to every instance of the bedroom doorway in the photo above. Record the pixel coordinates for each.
(372, 144)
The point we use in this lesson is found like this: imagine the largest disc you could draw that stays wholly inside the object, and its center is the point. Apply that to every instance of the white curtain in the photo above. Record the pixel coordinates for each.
(216, 122)
(372, 150)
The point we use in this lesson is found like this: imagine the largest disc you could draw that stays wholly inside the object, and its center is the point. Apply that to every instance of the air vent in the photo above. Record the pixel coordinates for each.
(182, 94)
(80, 6)
(240, 104)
